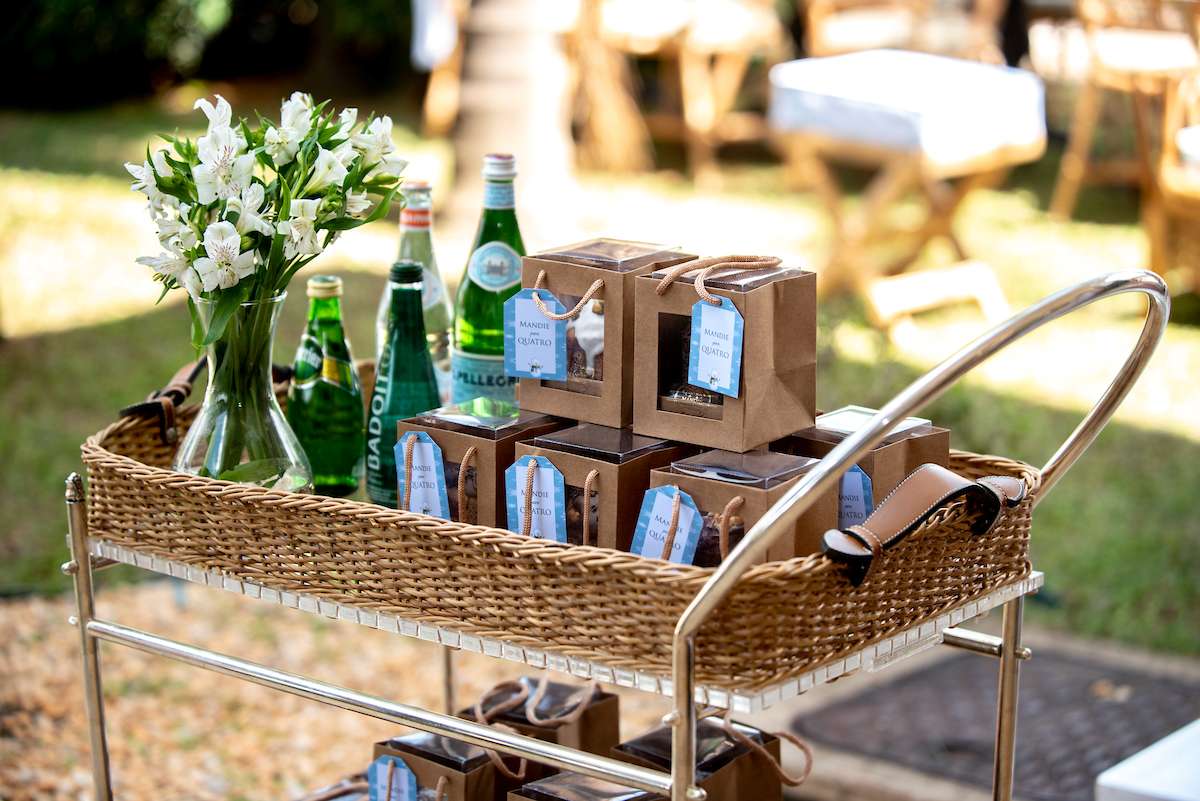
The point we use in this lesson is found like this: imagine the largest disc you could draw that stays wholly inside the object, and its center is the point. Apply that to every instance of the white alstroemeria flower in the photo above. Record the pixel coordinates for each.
(376, 141)
(219, 116)
(224, 177)
(300, 229)
(159, 159)
(170, 265)
(345, 154)
(295, 121)
(391, 165)
(357, 204)
(175, 235)
(223, 266)
(190, 281)
(247, 206)
(327, 171)
(346, 119)
(143, 181)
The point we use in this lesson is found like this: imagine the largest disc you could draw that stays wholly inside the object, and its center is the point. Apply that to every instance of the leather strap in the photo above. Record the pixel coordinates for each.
(927, 489)
(161, 404)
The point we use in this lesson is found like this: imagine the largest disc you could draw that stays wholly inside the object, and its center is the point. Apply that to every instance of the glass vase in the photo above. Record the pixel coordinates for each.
(240, 433)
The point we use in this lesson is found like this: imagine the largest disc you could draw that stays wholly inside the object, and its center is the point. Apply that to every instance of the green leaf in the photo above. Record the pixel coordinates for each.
(340, 224)
(259, 471)
(227, 302)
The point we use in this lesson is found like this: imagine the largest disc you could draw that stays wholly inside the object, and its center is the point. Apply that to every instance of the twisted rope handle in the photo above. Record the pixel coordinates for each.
(527, 515)
(760, 750)
(486, 718)
(409, 445)
(441, 791)
(462, 484)
(707, 267)
(556, 720)
(670, 542)
(596, 286)
(588, 485)
(726, 514)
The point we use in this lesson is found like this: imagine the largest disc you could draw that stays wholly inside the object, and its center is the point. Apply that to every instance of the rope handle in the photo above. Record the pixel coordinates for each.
(409, 445)
(439, 791)
(487, 719)
(588, 486)
(527, 515)
(734, 504)
(557, 720)
(704, 268)
(759, 750)
(462, 484)
(592, 291)
(669, 544)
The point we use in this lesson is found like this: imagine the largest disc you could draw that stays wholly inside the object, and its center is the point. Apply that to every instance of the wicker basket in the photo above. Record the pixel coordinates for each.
(783, 619)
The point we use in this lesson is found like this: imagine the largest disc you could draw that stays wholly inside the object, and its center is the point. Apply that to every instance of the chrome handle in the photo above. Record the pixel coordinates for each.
(783, 515)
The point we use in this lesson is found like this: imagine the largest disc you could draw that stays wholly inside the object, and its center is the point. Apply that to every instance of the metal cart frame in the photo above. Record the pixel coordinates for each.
(679, 784)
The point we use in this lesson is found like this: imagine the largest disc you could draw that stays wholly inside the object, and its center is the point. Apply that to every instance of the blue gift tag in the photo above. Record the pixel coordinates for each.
(390, 779)
(715, 360)
(654, 521)
(534, 345)
(855, 501)
(548, 504)
(428, 495)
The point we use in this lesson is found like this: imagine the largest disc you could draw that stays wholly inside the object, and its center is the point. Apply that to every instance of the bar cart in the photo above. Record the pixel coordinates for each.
(678, 675)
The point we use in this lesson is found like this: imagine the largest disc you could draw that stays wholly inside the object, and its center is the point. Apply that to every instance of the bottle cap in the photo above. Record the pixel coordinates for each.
(499, 166)
(406, 272)
(324, 286)
(412, 185)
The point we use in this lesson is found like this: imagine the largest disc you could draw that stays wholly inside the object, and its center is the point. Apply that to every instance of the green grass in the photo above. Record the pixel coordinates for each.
(1119, 539)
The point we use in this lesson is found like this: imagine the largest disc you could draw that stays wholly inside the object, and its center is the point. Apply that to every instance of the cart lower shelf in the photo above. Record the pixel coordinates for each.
(905, 642)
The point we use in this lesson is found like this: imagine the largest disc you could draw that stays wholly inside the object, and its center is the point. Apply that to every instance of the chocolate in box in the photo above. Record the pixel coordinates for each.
(599, 384)
(623, 461)
(714, 478)
(493, 428)
(777, 386)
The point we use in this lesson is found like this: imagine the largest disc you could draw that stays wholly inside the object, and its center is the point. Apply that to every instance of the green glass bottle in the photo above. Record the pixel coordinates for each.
(492, 276)
(404, 381)
(325, 400)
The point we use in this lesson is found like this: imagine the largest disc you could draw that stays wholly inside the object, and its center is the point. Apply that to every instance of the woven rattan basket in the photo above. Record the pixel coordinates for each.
(784, 617)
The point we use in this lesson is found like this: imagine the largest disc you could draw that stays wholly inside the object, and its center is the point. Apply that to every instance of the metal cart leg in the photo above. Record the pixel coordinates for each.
(448, 680)
(1006, 701)
(80, 570)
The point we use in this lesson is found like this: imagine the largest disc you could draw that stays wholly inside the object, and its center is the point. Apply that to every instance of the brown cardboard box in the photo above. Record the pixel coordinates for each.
(596, 730)
(778, 376)
(574, 787)
(469, 773)
(493, 428)
(725, 769)
(712, 494)
(889, 462)
(569, 272)
(623, 461)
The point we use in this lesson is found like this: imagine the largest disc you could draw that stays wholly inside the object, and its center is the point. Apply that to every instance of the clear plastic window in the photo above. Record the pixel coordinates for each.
(615, 445)
(486, 418)
(850, 419)
(760, 469)
(612, 254)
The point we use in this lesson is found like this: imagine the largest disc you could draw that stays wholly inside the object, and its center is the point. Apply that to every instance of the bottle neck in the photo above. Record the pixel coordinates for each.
(405, 313)
(498, 196)
(416, 220)
(325, 310)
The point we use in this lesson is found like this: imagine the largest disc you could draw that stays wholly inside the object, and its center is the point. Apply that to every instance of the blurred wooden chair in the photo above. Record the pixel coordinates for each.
(439, 110)
(961, 28)
(1137, 48)
(704, 49)
(1178, 184)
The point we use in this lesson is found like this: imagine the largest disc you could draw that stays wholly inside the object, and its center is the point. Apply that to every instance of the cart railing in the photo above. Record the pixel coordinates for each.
(783, 515)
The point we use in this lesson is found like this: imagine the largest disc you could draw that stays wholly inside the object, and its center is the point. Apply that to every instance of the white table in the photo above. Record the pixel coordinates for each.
(1169, 770)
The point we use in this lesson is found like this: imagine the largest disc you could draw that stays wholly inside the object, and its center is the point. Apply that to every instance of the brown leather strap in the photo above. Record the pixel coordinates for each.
(161, 404)
(928, 488)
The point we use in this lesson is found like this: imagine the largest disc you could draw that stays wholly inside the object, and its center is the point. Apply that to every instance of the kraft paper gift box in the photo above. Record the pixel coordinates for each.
(573, 787)
(914, 442)
(599, 384)
(777, 387)
(468, 773)
(595, 730)
(622, 461)
(725, 768)
(493, 428)
(714, 479)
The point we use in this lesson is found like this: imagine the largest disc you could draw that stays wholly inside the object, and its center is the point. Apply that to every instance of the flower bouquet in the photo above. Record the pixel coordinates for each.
(238, 213)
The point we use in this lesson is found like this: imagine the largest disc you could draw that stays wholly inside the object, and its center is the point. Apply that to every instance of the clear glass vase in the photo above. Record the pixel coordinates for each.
(240, 433)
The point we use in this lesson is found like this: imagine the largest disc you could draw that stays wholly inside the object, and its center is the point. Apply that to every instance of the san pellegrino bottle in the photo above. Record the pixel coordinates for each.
(492, 276)
(325, 400)
(416, 244)
(404, 381)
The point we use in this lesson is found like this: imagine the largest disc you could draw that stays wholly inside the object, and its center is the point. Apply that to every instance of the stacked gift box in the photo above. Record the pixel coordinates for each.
(664, 400)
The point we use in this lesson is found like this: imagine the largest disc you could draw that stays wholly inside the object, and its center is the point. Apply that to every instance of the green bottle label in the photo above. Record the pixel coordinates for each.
(474, 376)
(495, 266)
